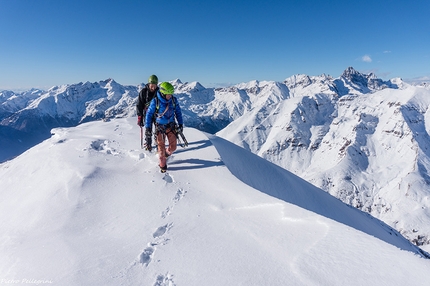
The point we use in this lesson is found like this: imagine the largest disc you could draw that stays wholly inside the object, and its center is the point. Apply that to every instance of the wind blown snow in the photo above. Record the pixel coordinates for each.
(89, 207)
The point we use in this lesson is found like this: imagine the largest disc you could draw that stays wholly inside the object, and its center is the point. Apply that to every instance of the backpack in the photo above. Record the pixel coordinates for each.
(147, 99)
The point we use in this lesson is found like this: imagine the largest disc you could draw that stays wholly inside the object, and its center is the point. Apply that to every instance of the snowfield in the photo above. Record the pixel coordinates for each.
(89, 207)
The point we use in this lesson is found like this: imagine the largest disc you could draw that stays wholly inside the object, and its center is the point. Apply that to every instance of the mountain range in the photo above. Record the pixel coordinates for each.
(359, 138)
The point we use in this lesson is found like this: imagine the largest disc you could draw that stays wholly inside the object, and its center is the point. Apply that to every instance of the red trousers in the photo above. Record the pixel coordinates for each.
(161, 142)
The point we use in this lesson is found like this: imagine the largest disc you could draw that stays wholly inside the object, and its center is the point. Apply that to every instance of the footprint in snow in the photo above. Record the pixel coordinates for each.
(164, 280)
(178, 196)
(146, 256)
(166, 212)
(162, 230)
(104, 146)
(168, 178)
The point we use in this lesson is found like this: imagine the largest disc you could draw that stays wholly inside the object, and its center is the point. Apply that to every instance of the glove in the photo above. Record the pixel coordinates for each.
(180, 128)
(148, 139)
(140, 121)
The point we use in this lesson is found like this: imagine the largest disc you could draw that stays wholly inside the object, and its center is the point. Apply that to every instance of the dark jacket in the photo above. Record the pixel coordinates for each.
(163, 116)
(145, 97)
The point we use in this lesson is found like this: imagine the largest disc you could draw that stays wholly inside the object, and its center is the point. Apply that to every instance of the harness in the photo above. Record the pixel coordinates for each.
(162, 128)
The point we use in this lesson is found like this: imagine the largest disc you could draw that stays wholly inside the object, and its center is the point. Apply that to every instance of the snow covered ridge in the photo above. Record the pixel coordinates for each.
(368, 149)
(89, 207)
(362, 139)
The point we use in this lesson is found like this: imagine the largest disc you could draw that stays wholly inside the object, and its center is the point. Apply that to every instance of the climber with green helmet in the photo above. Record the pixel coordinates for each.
(165, 109)
(146, 94)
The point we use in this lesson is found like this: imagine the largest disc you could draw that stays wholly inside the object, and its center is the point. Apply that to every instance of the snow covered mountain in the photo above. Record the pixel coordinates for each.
(11, 102)
(89, 207)
(27, 118)
(362, 139)
(69, 105)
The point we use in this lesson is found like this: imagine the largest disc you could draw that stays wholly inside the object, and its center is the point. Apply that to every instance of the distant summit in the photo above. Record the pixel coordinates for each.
(363, 83)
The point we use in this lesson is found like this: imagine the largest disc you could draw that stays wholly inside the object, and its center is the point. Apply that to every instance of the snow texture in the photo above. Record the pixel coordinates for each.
(89, 207)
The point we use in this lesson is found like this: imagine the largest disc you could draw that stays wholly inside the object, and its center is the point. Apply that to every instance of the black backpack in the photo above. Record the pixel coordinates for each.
(147, 99)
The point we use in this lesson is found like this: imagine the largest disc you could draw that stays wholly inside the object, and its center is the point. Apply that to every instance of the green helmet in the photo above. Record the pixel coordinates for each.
(153, 79)
(166, 88)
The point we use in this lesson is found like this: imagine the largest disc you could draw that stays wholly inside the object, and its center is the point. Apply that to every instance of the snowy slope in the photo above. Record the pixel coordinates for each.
(89, 207)
(368, 149)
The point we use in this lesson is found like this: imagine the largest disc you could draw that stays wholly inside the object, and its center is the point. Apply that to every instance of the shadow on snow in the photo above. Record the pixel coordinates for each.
(282, 184)
(194, 164)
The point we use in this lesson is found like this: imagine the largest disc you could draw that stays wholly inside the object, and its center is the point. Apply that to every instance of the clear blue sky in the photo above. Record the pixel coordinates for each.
(52, 42)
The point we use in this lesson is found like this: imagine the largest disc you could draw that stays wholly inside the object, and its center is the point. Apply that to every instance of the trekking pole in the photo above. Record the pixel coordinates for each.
(141, 137)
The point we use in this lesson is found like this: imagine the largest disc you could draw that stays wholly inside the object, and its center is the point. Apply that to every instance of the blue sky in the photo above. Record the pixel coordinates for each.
(50, 42)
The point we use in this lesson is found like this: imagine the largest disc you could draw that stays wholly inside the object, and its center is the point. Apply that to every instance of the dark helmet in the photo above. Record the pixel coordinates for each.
(153, 79)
